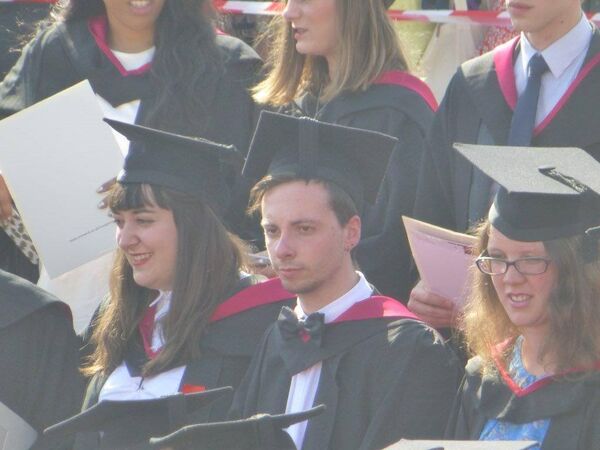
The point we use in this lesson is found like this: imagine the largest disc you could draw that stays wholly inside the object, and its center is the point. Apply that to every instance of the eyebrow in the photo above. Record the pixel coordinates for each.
(295, 222)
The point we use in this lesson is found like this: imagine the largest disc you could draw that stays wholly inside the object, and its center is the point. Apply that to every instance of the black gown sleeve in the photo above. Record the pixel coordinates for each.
(434, 197)
(40, 376)
(383, 253)
(419, 388)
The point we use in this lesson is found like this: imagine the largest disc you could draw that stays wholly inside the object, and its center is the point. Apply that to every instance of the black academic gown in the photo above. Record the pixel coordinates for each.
(402, 106)
(384, 376)
(66, 54)
(477, 108)
(572, 405)
(226, 349)
(39, 356)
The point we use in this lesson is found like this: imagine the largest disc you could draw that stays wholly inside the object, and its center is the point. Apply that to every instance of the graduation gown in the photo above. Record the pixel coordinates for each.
(39, 356)
(67, 53)
(226, 349)
(478, 108)
(400, 105)
(384, 376)
(571, 404)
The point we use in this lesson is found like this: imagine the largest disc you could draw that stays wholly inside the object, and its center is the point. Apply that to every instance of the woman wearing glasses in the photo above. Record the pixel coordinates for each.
(532, 317)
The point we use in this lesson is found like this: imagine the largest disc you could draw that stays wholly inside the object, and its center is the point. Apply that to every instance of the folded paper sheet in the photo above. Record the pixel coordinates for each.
(443, 257)
(53, 156)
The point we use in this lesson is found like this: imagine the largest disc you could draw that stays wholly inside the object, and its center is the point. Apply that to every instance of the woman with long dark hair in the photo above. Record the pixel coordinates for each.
(181, 316)
(153, 62)
(532, 317)
(340, 61)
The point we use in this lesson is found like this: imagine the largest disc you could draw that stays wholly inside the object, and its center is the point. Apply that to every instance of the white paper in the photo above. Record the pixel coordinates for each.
(82, 288)
(15, 433)
(443, 257)
(53, 156)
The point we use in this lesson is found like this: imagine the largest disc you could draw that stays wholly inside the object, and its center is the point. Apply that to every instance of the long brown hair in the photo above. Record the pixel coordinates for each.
(207, 268)
(368, 46)
(574, 337)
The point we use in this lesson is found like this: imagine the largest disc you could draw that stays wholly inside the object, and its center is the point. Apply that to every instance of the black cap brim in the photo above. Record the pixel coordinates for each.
(260, 432)
(132, 421)
(192, 165)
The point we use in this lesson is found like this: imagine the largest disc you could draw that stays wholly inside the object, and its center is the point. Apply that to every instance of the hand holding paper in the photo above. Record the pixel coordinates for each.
(433, 309)
(444, 261)
(5, 200)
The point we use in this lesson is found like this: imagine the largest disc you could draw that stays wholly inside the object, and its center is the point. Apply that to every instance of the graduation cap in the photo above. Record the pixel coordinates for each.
(388, 3)
(259, 432)
(462, 445)
(351, 158)
(545, 193)
(191, 165)
(131, 423)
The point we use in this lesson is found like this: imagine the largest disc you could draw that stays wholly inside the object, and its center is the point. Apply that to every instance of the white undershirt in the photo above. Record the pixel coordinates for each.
(303, 387)
(127, 112)
(564, 58)
(122, 386)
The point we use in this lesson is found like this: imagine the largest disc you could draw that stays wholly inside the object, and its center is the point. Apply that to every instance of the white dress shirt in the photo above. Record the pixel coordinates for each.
(120, 385)
(303, 387)
(564, 58)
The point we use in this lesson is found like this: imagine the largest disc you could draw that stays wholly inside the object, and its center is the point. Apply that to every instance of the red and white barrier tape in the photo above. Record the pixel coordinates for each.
(425, 15)
(28, 1)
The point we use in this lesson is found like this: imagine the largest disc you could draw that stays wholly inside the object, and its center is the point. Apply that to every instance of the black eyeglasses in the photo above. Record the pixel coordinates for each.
(532, 265)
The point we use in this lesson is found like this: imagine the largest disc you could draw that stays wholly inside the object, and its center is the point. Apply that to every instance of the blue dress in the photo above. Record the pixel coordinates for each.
(497, 430)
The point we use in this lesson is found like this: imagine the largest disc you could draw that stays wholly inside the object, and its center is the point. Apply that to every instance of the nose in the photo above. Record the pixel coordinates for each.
(126, 236)
(283, 248)
(513, 276)
(291, 10)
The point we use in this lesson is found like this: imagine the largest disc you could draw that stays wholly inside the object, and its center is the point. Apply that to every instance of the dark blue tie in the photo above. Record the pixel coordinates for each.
(523, 120)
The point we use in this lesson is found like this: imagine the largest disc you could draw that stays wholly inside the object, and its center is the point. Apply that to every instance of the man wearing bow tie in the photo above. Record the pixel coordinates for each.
(382, 374)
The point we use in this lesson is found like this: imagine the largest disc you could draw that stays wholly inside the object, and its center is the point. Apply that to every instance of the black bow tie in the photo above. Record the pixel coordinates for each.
(308, 329)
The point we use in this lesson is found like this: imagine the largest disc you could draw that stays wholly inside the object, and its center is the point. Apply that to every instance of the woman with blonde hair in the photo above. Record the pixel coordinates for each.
(532, 317)
(340, 61)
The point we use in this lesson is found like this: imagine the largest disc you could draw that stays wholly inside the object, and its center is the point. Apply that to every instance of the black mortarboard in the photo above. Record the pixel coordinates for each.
(545, 193)
(131, 423)
(191, 165)
(353, 159)
(462, 445)
(388, 3)
(259, 432)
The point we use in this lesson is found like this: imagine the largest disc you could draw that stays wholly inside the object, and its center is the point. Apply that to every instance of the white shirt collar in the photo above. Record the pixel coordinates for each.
(361, 291)
(562, 53)
(162, 302)
(133, 61)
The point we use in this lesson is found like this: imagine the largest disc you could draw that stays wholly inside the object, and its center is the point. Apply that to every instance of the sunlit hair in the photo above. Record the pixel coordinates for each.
(340, 202)
(186, 58)
(207, 268)
(574, 336)
(368, 46)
